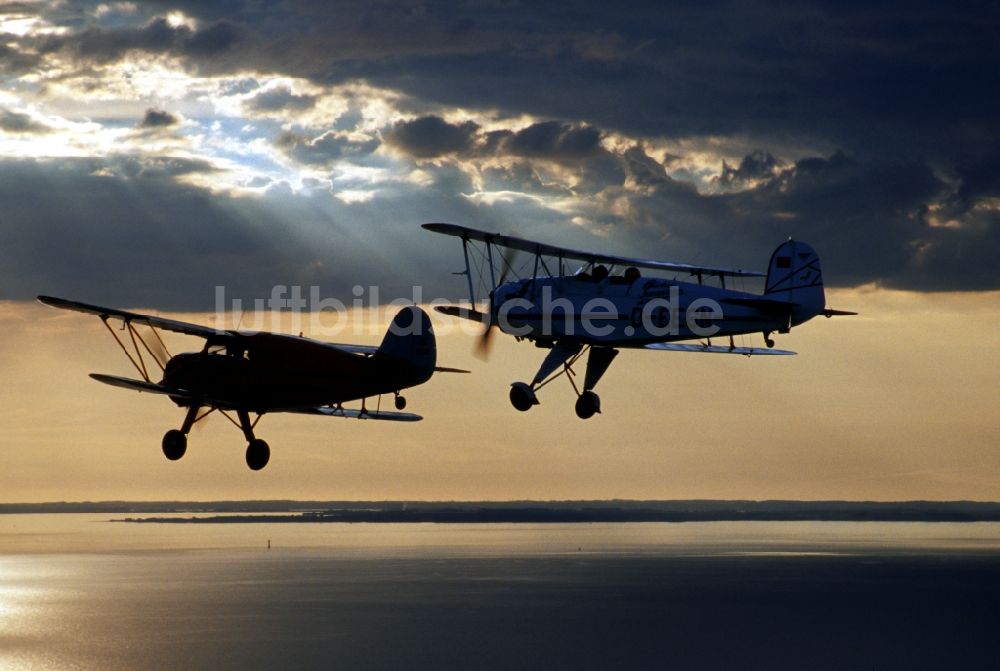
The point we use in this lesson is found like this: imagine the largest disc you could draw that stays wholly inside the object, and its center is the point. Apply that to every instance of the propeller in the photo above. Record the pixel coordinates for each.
(485, 343)
(156, 348)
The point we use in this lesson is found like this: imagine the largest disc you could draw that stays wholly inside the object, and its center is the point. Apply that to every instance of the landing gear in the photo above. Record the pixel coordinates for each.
(587, 404)
(175, 440)
(174, 444)
(258, 454)
(768, 340)
(399, 401)
(564, 355)
(522, 397)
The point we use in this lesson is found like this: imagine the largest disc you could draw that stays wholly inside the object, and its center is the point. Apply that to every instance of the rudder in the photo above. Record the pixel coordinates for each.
(410, 339)
(794, 276)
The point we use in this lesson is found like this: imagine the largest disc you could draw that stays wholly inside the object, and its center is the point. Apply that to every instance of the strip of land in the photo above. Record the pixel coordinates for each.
(235, 512)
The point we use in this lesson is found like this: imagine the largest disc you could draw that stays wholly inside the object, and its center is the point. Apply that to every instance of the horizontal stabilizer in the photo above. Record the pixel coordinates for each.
(717, 349)
(464, 313)
(353, 413)
(139, 385)
(445, 369)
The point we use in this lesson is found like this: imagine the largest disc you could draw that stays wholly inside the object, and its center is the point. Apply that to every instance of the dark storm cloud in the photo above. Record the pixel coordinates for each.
(280, 99)
(642, 168)
(523, 177)
(126, 232)
(432, 136)
(870, 223)
(155, 118)
(325, 149)
(759, 165)
(19, 122)
(865, 77)
(553, 140)
(16, 62)
(156, 37)
(906, 91)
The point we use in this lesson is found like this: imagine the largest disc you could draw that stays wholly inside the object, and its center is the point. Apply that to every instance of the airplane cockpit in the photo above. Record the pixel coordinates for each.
(600, 273)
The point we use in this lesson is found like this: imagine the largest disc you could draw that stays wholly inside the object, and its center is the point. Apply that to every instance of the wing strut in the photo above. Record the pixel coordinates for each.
(468, 270)
(138, 361)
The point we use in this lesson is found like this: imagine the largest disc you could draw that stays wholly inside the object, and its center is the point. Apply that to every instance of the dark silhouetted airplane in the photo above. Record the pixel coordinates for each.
(257, 372)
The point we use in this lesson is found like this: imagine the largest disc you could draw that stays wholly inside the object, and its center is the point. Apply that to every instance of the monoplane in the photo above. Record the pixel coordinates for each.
(246, 373)
(598, 310)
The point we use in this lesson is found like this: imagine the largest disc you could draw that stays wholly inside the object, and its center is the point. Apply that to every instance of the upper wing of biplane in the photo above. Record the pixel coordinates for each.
(180, 327)
(543, 249)
(151, 320)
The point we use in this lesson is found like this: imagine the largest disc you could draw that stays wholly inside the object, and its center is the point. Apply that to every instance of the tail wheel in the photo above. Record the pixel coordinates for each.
(587, 404)
(258, 454)
(400, 402)
(174, 444)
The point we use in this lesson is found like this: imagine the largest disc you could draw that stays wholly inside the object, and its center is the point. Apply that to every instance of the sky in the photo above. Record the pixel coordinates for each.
(151, 152)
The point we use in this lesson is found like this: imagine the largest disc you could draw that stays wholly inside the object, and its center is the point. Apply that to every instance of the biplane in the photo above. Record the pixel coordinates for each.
(599, 311)
(246, 373)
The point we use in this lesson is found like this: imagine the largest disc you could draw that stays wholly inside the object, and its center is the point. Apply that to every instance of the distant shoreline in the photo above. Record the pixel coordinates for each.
(311, 512)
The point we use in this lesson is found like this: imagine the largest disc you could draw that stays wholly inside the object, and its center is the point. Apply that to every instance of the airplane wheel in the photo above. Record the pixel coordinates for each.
(174, 444)
(400, 402)
(520, 397)
(769, 342)
(258, 454)
(587, 405)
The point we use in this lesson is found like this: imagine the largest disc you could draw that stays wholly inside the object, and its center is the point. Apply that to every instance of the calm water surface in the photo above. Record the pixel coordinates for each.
(79, 592)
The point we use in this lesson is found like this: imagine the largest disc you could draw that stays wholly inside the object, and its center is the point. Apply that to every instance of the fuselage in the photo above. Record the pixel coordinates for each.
(617, 311)
(269, 372)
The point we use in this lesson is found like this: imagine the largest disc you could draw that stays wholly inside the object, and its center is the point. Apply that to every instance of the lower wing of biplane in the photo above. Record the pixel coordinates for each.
(220, 378)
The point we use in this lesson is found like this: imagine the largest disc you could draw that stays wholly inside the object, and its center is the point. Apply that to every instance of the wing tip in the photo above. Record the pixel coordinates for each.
(51, 301)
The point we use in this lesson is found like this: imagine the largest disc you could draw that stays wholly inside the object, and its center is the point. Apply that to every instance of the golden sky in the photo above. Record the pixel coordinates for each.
(150, 152)
(898, 403)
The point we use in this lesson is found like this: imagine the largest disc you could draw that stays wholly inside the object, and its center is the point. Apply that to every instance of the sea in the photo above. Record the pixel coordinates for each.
(82, 592)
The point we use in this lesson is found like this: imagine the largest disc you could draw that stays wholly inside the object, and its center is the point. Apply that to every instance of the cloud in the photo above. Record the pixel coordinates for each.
(869, 222)
(127, 232)
(675, 130)
(521, 177)
(432, 136)
(15, 61)
(755, 168)
(326, 148)
(280, 99)
(155, 118)
(552, 140)
(158, 36)
(21, 123)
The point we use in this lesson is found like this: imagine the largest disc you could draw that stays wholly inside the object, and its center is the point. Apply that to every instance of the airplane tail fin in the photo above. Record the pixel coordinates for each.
(794, 277)
(410, 340)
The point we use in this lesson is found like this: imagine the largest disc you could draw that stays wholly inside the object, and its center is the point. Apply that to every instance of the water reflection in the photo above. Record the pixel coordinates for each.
(87, 533)
(78, 592)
